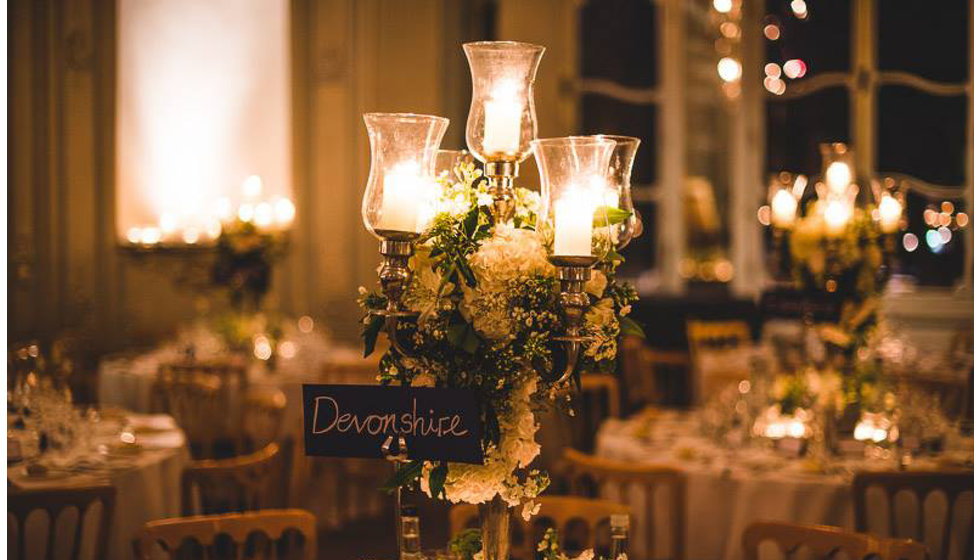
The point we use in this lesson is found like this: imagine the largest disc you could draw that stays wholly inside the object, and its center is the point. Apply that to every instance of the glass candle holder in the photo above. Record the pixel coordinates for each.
(783, 203)
(575, 186)
(501, 122)
(620, 194)
(838, 168)
(403, 159)
(889, 205)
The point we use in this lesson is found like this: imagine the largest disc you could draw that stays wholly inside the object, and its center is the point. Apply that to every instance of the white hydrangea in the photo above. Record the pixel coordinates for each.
(477, 484)
(511, 254)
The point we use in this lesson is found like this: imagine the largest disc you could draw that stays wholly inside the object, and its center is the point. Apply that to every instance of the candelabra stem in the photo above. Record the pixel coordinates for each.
(573, 273)
(395, 278)
(501, 175)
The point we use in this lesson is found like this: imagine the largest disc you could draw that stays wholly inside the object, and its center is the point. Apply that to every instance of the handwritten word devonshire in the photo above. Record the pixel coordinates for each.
(328, 416)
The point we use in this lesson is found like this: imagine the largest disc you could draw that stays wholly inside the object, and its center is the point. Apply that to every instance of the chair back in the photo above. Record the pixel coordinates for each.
(653, 376)
(20, 504)
(262, 422)
(237, 484)
(590, 475)
(211, 533)
(703, 335)
(206, 399)
(560, 512)
(827, 542)
(921, 484)
(598, 399)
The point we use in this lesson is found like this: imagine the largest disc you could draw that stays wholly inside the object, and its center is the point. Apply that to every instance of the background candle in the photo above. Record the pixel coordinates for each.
(399, 202)
(890, 213)
(783, 209)
(835, 217)
(838, 177)
(502, 125)
(573, 225)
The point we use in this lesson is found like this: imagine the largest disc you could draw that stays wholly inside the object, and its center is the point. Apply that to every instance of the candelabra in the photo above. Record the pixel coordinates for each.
(581, 179)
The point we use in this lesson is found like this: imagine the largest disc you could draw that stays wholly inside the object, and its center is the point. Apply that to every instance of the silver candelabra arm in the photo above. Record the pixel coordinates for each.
(573, 273)
(395, 276)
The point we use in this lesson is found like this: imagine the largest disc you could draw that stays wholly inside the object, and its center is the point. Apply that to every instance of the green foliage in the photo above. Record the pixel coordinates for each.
(466, 543)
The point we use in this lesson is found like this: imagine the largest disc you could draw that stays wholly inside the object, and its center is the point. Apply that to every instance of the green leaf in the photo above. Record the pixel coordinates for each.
(613, 256)
(370, 333)
(406, 474)
(630, 327)
(471, 342)
(471, 220)
(467, 272)
(611, 213)
(437, 480)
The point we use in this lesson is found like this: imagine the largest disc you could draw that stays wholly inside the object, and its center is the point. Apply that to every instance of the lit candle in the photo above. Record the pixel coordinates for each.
(835, 217)
(783, 209)
(890, 213)
(502, 121)
(838, 177)
(399, 202)
(573, 225)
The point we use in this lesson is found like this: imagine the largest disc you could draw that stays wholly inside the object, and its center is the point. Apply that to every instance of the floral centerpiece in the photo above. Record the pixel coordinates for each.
(488, 304)
(846, 264)
(243, 264)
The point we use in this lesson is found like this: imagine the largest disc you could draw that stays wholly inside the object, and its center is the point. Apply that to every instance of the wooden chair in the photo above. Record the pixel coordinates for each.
(262, 422)
(238, 484)
(20, 504)
(598, 399)
(560, 512)
(212, 418)
(209, 532)
(653, 376)
(827, 542)
(588, 475)
(921, 484)
(708, 336)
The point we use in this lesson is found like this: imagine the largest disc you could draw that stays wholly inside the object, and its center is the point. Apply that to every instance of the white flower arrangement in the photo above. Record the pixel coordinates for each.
(488, 303)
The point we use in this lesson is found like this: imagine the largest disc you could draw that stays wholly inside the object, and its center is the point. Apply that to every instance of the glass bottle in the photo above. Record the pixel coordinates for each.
(619, 525)
(410, 543)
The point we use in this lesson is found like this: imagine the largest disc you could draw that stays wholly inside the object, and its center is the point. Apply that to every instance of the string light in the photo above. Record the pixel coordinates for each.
(799, 8)
(794, 68)
(910, 242)
(729, 69)
(722, 6)
(772, 70)
(771, 31)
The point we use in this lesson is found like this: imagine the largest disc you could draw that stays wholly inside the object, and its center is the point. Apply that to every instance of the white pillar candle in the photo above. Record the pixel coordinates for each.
(835, 217)
(889, 213)
(502, 121)
(783, 208)
(838, 177)
(573, 225)
(399, 202)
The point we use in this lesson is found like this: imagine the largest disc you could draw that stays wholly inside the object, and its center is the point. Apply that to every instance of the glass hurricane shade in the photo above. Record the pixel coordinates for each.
(620, 172)
(575, 194)
(501, 122)
(404, 147)
(838, 166)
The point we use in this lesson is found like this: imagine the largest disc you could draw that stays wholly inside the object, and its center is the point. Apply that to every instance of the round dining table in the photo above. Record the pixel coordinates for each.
(146, 474)
(730, 485)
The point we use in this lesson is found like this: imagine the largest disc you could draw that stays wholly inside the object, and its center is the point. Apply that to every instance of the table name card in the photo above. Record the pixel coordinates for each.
(356, 420)
(786, 303)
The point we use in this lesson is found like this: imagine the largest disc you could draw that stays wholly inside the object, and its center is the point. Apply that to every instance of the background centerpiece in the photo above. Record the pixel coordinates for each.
(491, 287)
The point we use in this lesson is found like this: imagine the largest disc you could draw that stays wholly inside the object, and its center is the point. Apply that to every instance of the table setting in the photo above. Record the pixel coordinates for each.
(52, 443)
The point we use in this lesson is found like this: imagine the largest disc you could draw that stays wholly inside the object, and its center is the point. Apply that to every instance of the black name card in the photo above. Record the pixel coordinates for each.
(355, 420)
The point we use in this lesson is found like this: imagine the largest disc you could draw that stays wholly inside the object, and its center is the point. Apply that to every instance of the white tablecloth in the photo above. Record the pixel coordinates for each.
(147, 487)
(127, 382)
(728, 490)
